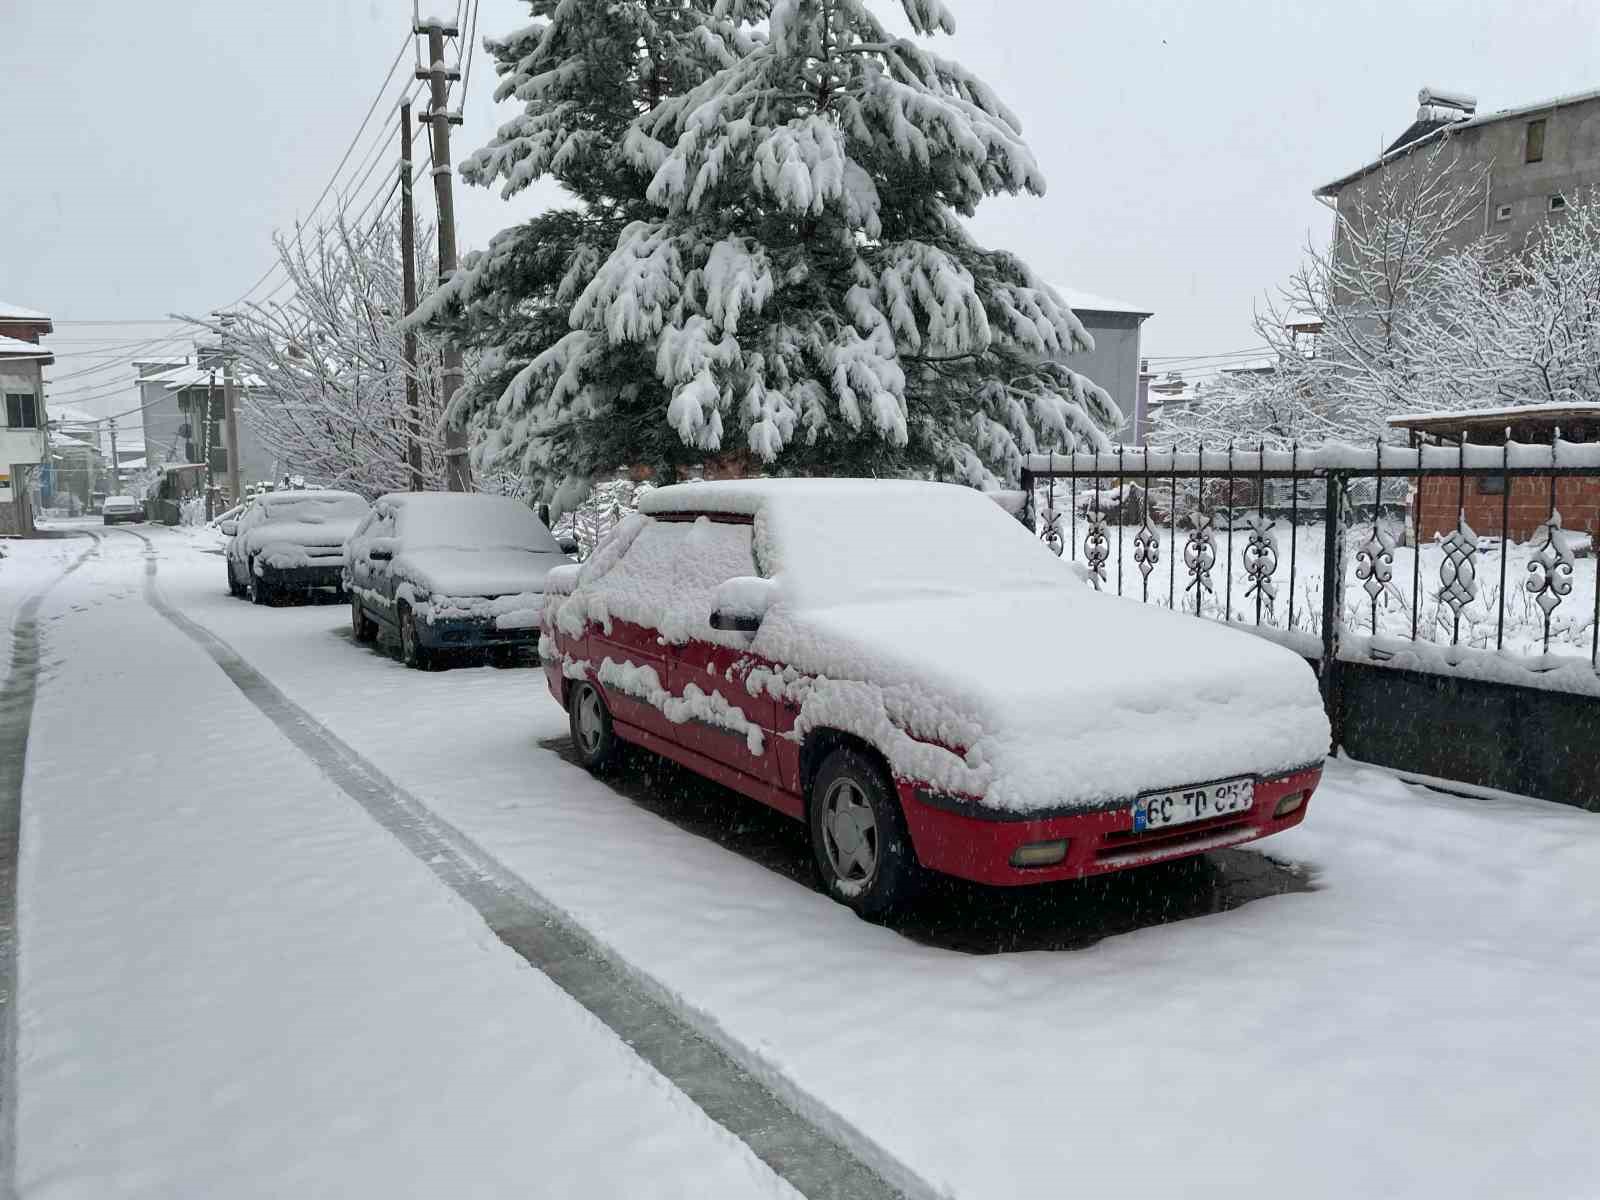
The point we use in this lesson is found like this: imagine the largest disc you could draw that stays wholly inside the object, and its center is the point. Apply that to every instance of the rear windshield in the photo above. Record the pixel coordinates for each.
(314, 508)
(470, 522)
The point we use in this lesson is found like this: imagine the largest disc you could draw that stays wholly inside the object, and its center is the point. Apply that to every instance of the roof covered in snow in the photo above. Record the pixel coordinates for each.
(745, 497)
(15, 312)
(1081, 301)
(1516, 414)
(17, 348)
(187, 375)
(1449, 129)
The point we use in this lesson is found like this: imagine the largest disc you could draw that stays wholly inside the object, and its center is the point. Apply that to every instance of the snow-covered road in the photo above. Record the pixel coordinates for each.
(1420, 1022)
(233, 983)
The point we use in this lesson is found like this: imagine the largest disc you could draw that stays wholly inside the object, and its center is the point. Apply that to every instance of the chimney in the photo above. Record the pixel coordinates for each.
(1436, 104)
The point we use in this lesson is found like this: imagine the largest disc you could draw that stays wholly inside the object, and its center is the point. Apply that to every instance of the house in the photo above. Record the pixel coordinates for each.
(75, 472)
(23, 440)
(1114, 362)
(1536, 159)
(182, 413)
(1489, 505)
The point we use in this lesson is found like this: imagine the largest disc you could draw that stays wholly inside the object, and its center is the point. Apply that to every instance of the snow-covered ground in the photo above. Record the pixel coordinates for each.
(1419, 1023)
(233, 983)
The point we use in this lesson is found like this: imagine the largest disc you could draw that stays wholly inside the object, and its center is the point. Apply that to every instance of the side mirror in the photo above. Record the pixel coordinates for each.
(740, 604)
(379, 552)
(229, 528)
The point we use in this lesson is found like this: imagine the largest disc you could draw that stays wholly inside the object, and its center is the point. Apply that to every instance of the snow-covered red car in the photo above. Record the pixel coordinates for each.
(289, 543)
(905, 668)
(446, 571)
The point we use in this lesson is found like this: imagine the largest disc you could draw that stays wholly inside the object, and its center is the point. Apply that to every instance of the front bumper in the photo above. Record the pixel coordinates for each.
(466, 633)
(979, 848)
(330, 575)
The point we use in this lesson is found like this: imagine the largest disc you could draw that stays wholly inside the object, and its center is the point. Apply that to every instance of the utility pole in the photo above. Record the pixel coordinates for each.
(230, 411)
(205, 443)
(457, 470)
(116, 463)
(408, 255)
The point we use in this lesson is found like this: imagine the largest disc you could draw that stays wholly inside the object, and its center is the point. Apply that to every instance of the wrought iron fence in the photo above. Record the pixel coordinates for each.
(1461, 561)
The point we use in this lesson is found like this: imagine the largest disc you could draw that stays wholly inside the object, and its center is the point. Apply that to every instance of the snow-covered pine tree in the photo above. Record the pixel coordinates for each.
(584, 71)
(798, 287)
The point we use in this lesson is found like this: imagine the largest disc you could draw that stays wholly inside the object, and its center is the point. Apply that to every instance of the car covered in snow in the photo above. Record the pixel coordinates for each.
(117, 509)
(290, 543)
(906, 669)
(445, 571)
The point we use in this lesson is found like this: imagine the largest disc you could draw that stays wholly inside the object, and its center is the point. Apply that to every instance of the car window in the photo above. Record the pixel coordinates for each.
(668, 574)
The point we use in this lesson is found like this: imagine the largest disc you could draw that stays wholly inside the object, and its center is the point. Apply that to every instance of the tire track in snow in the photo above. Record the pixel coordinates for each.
(816, 1155)
(16, 716)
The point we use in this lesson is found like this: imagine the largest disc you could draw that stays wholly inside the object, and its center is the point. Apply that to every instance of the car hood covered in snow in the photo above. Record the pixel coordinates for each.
(447, 571)
(1047, 698)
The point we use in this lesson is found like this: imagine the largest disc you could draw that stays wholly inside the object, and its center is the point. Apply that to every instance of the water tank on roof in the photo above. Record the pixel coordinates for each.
(1432, 97)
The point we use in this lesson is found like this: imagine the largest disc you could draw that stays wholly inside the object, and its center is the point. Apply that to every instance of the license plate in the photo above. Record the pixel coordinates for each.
(1160, 809)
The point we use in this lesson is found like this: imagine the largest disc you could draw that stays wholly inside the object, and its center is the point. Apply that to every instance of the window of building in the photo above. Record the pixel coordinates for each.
(1533, 150)
(1557, 202)
(1503, 213)
(21, 411)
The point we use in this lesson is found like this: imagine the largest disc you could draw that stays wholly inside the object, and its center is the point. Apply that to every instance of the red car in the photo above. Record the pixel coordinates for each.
(905, 668)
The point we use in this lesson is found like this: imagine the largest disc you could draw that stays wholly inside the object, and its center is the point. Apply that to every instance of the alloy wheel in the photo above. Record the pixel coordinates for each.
(850, 832)
(591, 721)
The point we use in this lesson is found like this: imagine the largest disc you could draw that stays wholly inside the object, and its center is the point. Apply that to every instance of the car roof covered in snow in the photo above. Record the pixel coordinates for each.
(471, 520)
(832, 540)
(749, 496)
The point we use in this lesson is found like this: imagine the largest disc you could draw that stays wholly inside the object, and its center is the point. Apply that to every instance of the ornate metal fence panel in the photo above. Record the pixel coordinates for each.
(1386, 558)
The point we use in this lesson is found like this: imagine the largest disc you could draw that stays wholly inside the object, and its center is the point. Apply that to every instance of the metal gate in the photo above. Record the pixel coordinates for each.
(1441, 650)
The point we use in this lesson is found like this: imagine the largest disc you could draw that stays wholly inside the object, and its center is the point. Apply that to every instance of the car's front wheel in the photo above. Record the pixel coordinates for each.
(858, 835)
(233, 584)
(412, 652)
(361, 625)
(592, 735)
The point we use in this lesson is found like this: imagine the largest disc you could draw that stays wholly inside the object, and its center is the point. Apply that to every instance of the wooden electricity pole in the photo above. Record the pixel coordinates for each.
(408, 271)
(230, 418)
(457, 470)
(116, 464)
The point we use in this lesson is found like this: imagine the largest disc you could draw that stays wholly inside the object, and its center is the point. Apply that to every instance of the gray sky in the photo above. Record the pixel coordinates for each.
(153, 147)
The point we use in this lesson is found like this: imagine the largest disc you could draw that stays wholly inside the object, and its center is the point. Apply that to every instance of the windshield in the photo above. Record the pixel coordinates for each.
(852, 543)
(471, 522)
(313, 508)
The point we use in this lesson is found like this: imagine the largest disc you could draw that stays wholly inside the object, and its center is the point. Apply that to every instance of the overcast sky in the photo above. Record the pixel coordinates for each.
(153, 147)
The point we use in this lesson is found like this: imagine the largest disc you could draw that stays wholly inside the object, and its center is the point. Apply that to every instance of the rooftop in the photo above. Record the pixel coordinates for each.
(17, 348)
(1402, 148)
(1081, 301)
(1478, 419)
(15, 312)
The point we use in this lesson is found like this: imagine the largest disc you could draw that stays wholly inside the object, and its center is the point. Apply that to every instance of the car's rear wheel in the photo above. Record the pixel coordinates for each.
(858, 835)
(592, 735)
(361, 625)
(412, 652)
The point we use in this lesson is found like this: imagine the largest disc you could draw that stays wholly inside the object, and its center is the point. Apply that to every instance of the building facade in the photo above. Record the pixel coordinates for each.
(23, 437)
(1114, 362)
(1534, 161)
(182, 413)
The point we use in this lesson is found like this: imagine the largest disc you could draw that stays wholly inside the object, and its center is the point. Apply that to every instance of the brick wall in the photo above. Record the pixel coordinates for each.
(1578, 499)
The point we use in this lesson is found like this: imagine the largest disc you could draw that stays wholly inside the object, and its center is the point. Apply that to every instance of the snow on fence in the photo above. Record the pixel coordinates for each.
(1353, 556)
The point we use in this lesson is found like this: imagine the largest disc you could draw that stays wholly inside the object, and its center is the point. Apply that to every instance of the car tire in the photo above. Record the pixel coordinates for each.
(863, 853)
(593, 738)
(259, 589)
(234, 589)
(412, 652)
(362, 627)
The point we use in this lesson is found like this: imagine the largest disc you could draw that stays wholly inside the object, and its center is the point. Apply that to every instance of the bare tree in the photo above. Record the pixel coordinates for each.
(1375, 295)
(326, 373)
